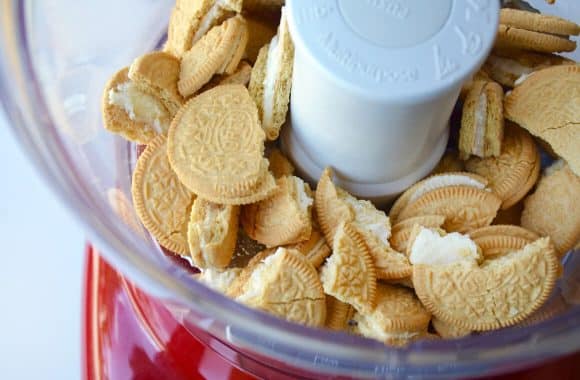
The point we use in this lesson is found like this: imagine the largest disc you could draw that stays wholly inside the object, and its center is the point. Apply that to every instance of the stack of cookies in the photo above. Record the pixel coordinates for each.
(474, 247)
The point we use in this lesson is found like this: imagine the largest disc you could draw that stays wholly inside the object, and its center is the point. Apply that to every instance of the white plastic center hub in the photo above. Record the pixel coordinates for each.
(375, 82)
(392, 23)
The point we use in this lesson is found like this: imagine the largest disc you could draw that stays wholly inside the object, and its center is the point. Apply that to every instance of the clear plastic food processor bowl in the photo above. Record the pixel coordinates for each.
(55, 57)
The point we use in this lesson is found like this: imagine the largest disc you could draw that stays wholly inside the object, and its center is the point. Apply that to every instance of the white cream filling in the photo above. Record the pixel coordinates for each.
(208, 232)
(272, 69)
(140, 106)
(304, 200)
(444, 180)
(368, 217)
(557, 165)
(219, 280)
(522, 78)
(432, 249)
(318, 246)
(255, 285)
(480, 122)
(371, 330)
(273, 66)
(509, 66)
(208, 20)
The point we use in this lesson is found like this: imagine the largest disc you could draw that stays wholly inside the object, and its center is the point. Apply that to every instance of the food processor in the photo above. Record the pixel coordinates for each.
(145, 316)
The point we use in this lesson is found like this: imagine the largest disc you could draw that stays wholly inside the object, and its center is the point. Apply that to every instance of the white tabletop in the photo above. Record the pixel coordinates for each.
(40, 275)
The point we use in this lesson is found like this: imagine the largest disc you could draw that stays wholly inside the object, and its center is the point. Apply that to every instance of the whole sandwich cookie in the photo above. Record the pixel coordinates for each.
(538, 22)
(431, 183)
(212, 233)
(536, 32)
(546, 105)
(550, 210)
(510, 66)
(223, 163)
(161, 201)
(514, 172)
(482, 121)
(272, 79)
(191, 19)
(132, 113)
(219, 51)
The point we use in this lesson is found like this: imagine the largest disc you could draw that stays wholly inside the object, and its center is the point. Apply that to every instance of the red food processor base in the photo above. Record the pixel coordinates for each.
(128, 334)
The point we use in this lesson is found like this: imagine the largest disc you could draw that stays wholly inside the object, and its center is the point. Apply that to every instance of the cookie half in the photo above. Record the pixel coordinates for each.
(509, 66)
(349, 273)
(216, 147)
(315, 248)
(217, 52)
(283, 218)
(482, 122)
(128, 111)
(514, 172)
(338, 314)
(212, 233)
(546, 105)
(192, 19)
(161, 201)
(398, 316)
(499, 293)
(157, 73)
(287, 285)
(272, 79)
(465, 208)
(550, 210)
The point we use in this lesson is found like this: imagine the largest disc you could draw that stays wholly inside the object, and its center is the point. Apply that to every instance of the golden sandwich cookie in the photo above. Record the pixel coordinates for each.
(161, 201)
(217, 52)
(131, 113)
(272, 79)
(546, 105)
(334, 206)
(287, 285)
(216, 147)
(498, 293)
(509, 66)
(192, 19)
(514, 172)
(552, 209)
(212, 233)
(482, 121)
(283, 218)
(349, 273)
(465, 208)
(537, 32)
(431, 183)
(157, 74)
(397, 318)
